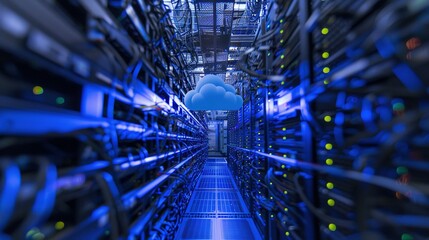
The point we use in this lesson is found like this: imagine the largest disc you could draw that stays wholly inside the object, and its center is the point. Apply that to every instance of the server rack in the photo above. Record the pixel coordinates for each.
(95, 140)
(343, 151)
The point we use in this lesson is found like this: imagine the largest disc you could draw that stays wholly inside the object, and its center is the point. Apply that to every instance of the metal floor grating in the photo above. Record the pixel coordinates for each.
(217, 210)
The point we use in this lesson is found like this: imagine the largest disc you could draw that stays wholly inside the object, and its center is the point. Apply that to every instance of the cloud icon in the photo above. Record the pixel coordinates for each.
(212, 93)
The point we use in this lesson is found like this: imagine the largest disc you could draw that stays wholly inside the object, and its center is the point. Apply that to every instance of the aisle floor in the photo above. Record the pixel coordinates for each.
(216, 210)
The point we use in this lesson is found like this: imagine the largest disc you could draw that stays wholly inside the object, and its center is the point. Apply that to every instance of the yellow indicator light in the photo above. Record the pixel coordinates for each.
(286, 209)
(325, 31)
(282, 66)
(326, 70)
(325, 55)
(285, 175)
(59, 225)
(329, 161)
(284, 155)
(284, 129)
(282, 56)
(37, 90)
(329, 185)
(285, 192)
(327, 118)
(287, 233)
(328, 146)
(326, 82)
(281, 31)
(331, 202)
(332, 227)
(283, 166)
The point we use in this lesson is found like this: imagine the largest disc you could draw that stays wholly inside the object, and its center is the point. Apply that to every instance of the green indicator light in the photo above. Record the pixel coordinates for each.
(284, 138)
(332, 227)
(32, 232)
(272, 215)
(37, 90)
(284, 129)
(331, 202)
(285, 175)
(271, 183)
(281, 20)
(329, 185)
(401, 170)
(287, 233)
(406, 236)
(39, 236)
(398, 106)
(328, 146)
(283, 166)
(283, 82)
(327, 118)
(282, 31)
(59, 225)
(325, 55)
(329, 161)
(282, 56)
(271, 198)
(282, 66)
(60, 100)
(325, 31)
(326, 82)
(285, 192)
(284, 155)
(281, 41)
(326, 70)
(286, 209)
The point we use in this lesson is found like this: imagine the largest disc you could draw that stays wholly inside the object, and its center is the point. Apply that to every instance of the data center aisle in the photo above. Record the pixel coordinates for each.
(217, 210)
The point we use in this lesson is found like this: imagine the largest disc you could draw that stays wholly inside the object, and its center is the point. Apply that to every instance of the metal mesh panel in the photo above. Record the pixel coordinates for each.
(197, 229)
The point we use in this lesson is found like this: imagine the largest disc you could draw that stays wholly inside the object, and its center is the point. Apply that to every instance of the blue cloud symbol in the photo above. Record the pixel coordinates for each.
(212, 93)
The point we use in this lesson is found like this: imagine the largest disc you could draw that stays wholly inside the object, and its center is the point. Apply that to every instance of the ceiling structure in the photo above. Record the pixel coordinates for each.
(218, 30)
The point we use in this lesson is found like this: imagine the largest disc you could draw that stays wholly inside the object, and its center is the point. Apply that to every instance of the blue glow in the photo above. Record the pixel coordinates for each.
(408, 77)
(385, 47)
(12, 182)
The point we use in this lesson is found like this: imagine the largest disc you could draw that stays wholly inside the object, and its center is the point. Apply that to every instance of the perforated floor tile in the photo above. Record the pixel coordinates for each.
(216, 210)
(197, 229)
(237, 229)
